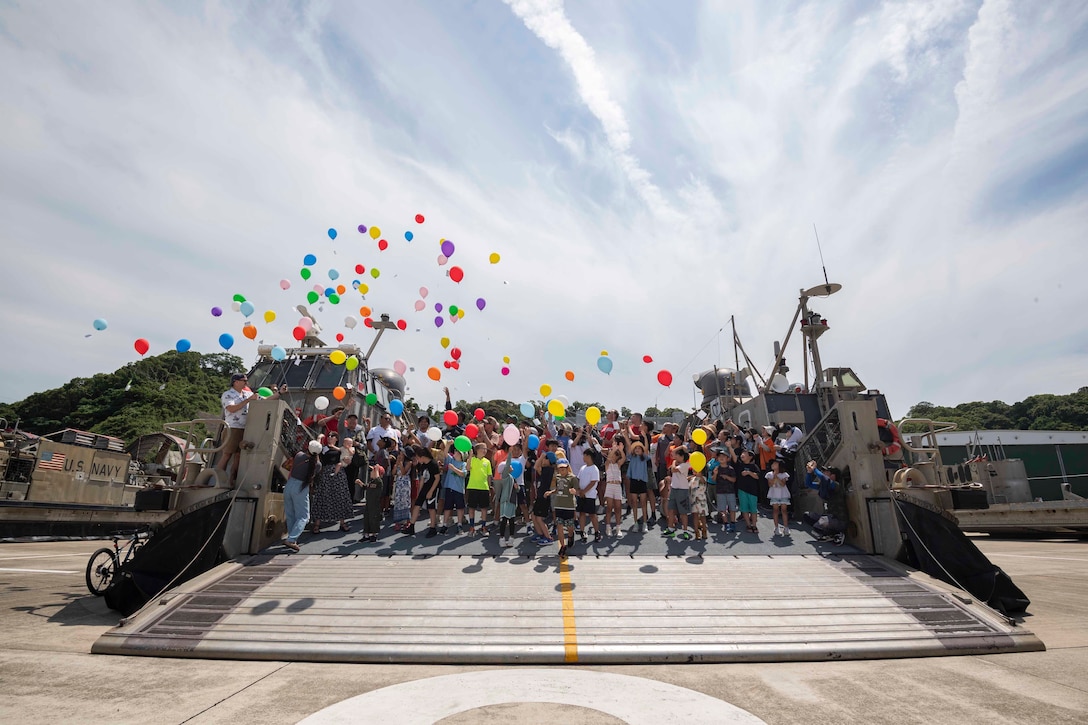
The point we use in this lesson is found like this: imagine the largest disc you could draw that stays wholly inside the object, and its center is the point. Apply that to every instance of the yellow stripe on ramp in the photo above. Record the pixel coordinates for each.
(570, 632)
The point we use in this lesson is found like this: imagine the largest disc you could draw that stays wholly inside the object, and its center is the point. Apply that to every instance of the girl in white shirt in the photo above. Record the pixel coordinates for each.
(779, 494)
(613, 489)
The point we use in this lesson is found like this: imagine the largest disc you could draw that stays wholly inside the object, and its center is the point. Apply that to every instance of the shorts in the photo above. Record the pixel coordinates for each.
(519, 497)
(454, 499)
(586, 505)
(680, 501)
(614, 491)
(478, 498)
(780, 501)
(726, 501)
(564, 515)
(542, 506)
(232, 443)
(424, 503)
(748, 502)
(636, 488)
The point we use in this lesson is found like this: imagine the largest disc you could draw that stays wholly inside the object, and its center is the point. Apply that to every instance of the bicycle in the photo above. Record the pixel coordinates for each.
(106, 562)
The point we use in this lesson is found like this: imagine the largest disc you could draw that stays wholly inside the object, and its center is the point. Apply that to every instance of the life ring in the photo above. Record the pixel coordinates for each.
(890, 448)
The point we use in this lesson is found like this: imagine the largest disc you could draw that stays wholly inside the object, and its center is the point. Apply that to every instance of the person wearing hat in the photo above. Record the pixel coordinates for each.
(562, 495)
(296, 492)
(236, 400)
(639, 473)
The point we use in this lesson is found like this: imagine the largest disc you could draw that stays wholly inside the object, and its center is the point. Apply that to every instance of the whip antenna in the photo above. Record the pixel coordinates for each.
(820, 249)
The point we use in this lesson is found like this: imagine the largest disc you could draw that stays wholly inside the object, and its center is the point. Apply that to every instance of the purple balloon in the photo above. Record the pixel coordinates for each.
(438, 321)
(481, 303)
(362, 229)
(447, 248)
(217, 312)
(437, 306)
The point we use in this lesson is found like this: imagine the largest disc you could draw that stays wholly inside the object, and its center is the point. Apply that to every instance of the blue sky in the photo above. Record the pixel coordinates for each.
(645, 170)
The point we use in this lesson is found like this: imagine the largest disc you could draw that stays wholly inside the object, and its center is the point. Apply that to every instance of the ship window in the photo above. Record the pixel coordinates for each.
(270, 374)
(329, 375)
(849, 380)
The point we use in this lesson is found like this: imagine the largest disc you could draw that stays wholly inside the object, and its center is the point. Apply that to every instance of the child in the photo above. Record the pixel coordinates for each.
(725, 491)
(748, 489)
(564, 486)
(779, 495)
(402, 488)
(454, 486)
(505, 502)
(677, 494)
(478, 491)
(588, 478)
(372, 497)
(613, 489)
(639, 474)
(699, 508)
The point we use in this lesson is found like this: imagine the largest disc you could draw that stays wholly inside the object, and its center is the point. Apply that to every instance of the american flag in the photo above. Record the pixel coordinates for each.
(51, 461)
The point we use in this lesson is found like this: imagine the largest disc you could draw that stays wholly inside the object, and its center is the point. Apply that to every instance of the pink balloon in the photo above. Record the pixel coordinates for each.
(284, 284)
(506, 371)
(423, 292)
(319, 289)
(420, 304)
(442, 259)
(306, 323)
(399, 366)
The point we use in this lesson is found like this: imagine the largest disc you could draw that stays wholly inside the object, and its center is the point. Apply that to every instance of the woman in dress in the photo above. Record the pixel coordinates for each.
(331, 498)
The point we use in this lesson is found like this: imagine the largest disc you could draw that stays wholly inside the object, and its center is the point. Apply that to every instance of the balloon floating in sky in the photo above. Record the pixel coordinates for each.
(359, 269)
(647, 359)
(142, 346)
(527, 410)
(333, 274)
(249, 331)
(409, 236)
(364, 311)
(665, 378)
(423, 292)
(506, 359)
(420, 304)
(375, 232)
(419, 218)
(447, 248)
(481, 303)
(239, 298)
(339, 337)
(457, 274)
(309, 260)
(362, 228)
(351, 363)
(434, 374)
(604, 364)
(332, 234)
(604, 353)
(226, 341)
(246, 308)
(304, 273)
(285, 284)
(278, 353)
(569, 375)
(299, 332)
(453, 310)
(100, 324)
(494, 258)
(442, 259)
(383, 245)
(217, 312)
(374, 273)
(396, 407)
(402, 325)
(183, 345)
(545, 390)
(505, 370)
(438, 321)
(311, 297)
(400, 367)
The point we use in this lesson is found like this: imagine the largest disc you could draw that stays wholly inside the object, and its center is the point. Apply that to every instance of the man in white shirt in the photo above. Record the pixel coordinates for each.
(588, 478)
(384, 429)
(236, 400)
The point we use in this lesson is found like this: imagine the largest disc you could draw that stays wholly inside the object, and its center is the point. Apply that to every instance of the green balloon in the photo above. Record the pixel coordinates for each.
(239, 298)
(311, 297)
(371, 399)
(453, 309)
(334, 299)
(462, 443)
(264, 392)
(305, 273)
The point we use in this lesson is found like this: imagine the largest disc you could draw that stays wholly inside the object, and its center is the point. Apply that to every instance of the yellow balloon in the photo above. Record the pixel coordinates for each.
(506, 360)
(494, 258)
(445, 342)
(269, 316)
(460, 312)
(545, 390)
(337, 357)
(363, 289)
(375, 232)
(593, 415)
(699, 436)
(352, 363)
(555, 407)
(604, 353)
(697, 461)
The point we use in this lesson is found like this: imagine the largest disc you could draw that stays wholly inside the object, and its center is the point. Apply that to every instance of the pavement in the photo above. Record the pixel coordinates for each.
(50, 621)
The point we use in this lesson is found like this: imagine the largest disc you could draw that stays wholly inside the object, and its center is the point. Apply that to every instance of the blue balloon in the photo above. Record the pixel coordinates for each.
(329, 291)
(409, 236)
(516, 469)
(309, 260)
(396, 407)
(246, 308)
(533, 441)
(278, 353)
(100, 324)
(604, 364)
(226, 341)
(332, 234)
(183, 345)
(333, 274)
(527, 410)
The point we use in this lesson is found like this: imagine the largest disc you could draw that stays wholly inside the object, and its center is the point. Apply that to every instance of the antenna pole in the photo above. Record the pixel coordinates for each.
(820, 249)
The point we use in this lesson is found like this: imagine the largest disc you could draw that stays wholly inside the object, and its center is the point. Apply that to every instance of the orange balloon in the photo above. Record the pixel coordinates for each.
(341, 289)
(364, 311)
(570, 375)
(250, 331)
(339, 393)
(434, 374)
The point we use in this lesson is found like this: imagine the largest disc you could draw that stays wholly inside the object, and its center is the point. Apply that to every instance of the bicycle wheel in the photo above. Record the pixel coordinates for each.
(100, 571)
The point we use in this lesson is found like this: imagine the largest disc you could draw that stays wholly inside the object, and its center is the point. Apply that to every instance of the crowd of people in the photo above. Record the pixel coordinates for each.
(553, 481)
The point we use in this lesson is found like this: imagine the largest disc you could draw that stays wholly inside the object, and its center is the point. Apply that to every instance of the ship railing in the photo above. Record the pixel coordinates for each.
(925, 450)
(200, 446)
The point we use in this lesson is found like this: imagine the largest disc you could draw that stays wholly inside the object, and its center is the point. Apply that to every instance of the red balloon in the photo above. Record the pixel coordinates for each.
(298, 333)
(339, 337)
(383, 245)
(359, 269)
(455, 353)
(665, 378)
(368, 322)
(647, 359)
(449, 417)
(457, 274)
(478, 414)
(472, 431)
(447, 364)
(142, 346)
(419, 218)
(455, 365)
(402, 325)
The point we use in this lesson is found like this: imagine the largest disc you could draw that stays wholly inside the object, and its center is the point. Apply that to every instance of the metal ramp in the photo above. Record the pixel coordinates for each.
(593, 610)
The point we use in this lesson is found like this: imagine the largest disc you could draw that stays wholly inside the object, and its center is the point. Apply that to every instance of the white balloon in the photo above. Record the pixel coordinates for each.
(350, 322)
(321, 403)
(434, 433)
(236, 306)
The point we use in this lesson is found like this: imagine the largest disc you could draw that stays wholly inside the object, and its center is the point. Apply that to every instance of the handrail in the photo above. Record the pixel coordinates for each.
(930, 433)
(184, 429)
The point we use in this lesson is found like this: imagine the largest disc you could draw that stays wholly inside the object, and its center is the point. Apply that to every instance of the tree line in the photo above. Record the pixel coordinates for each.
(1036, 412)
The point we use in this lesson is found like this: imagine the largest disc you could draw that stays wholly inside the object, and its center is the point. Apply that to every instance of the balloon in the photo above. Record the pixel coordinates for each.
(362, 228)
(226, 341)
(278, 353)
(423, 292)
(505, 371)
(383, 245)
(420, 304)
(396, 407)
(434, 374)
(460, 314)
(341, 289)
(699, 436)
(350, 322)
(437, 306)
(665, 378)
(604, 364)
(239, 298)
(453, 310)
(100, 324)
(364, 311)
(438, 321)
(264, 392)
(299, 332)
(337, 357)
(511, 434)
(462, 444)
(374, 273)
(457, 274)
(506, 359)
(333, 274)
(479, 414)
(442, 259)
(375, 232)
(352, 363)
(472, 430)
(216, 312)
(339, 393)
(183, 345)
(236, 306)
(532, 442)
(408, 236)
(481, 303)
(493, 258)
(419, 218)
(593, 415)
(434, 433)
(142, 346)
(517, 468)
(371, 399)
(309, 260)
(334, 298)
(455, 365)
(304, 273)
(402, 325)
(569, 375)
(285, 284)
(250, 331)
(447, 248)
(604, 353)
(321, 402)
(455, 353)
(332, 234)
(311, 297)
(697, 461)
(450, 417)
(399, 367)
(545, 390)
(306, 323)
(269, 316)
(555, 407)
(445, 342)
(368, 322)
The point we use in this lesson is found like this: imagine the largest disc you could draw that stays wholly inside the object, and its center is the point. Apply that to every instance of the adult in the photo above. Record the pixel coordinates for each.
(296, 492)
(372, 500)
(331, 499)
(236, 400)
(831, 523)
(610, 429)
(748, 482)
(384, 429)
(579, 443)
(348, 425)
(418, 435)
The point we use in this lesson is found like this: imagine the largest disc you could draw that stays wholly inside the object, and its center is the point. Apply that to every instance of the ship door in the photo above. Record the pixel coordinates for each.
(880, 523)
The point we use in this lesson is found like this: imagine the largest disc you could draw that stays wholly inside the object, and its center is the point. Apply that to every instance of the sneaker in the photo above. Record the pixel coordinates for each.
(583, 537)
(787, 532)
(443, 529)
(839, 539)
(730, 528)
(641, 527)
(506, 543)
(685, 536)
(408, 532)
(668, 533)
(431, 533)
(596, 537)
